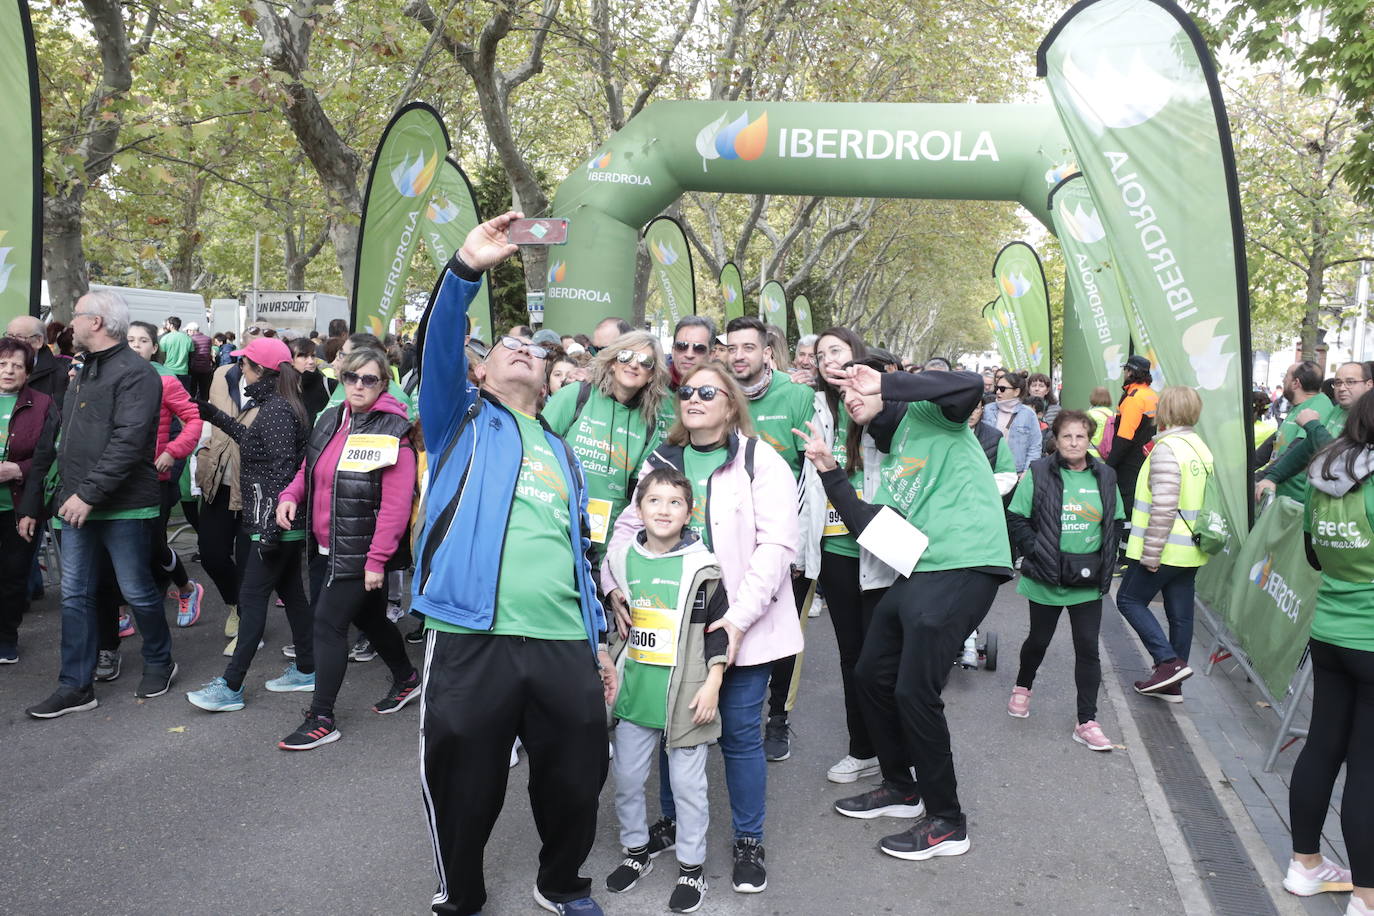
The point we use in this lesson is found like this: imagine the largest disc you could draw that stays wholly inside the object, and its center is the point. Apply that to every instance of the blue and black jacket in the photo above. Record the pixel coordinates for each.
(475, 450)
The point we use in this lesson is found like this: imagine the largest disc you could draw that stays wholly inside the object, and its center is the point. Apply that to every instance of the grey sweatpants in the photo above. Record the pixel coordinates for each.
(636, 749)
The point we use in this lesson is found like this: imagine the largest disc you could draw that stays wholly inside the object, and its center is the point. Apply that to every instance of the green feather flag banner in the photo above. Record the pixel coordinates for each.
(999, 322)
(801, 307)
(773, 305)
(732, 291)
(1024, 296)
(451, 215)
(21, 206)
(398, 196)
(1099, 311)
(670, 264)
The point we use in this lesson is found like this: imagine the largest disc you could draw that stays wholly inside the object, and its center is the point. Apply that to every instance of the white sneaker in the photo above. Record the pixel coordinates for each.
(1326, 878)
(817, 607)
(515, 753)
(233, 644)
(1357, 908)
(851, 769)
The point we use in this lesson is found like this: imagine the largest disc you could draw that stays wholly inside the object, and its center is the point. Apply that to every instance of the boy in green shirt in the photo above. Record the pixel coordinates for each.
(672, 674)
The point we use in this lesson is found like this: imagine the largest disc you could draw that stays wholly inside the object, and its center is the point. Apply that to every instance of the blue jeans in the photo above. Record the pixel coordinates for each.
(126, 540)
(742, 693)
(1139, 587)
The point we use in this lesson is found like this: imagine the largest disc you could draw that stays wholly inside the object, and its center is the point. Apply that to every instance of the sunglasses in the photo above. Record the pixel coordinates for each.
(705, 392)
(1005, 388)
(644, 359)
(515, 343)
(682, 346)
(367, 381)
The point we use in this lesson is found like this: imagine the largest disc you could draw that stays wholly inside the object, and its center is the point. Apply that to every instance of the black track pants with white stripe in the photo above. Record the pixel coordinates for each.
(480, 693)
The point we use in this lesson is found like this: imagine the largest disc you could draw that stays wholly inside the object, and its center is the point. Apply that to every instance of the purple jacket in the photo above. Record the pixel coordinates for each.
(202, 358)
(754, 537)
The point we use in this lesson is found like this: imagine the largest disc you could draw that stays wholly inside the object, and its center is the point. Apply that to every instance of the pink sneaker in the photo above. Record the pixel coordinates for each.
(1357, 907)
(1325, 878)
(1018, 707)
(126, 623)
(1090, 735)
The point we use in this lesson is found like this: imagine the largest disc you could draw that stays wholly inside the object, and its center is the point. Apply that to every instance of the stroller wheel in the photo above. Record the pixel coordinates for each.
(990, 653)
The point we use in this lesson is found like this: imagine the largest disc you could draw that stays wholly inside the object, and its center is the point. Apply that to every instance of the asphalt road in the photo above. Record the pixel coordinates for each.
(153, 807)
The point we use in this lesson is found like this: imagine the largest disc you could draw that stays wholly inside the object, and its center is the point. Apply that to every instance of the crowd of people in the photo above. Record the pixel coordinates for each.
(605, 536)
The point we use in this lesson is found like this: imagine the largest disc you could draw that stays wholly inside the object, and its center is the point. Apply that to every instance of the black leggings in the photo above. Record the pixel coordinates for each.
(1085, 621)
(224, 548)
(342, 602)
(166, 563)
(280, 571)
(1341, 732)
(851, 611)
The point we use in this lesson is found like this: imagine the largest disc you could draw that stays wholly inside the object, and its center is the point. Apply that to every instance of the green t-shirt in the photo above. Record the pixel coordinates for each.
(176, 350)
(7, 402)
(1295, 487)
(110, 515)
(392, 388)
(835, 536)
(536, 594)
(937, 476)
(1080, 531)
(1342, 531)
(699, 465)
(652, 583)
(783, 407)
(611, 441)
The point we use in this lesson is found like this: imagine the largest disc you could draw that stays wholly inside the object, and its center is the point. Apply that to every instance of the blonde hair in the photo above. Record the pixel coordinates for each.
(1100, 397)
(740, 421)
(1178, 406)
(651, 395)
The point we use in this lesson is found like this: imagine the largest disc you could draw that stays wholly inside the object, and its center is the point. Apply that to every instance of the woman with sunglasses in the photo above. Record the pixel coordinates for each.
(270, 451)
(356, 487)
(1015, 420)
(745, 508)
(609, 422)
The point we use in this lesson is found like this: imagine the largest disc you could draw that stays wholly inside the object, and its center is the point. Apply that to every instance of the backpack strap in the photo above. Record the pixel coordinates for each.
(749, 458)
(584, 393)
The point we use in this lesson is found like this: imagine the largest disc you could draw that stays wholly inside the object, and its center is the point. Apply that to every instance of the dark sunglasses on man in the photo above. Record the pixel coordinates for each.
(682, 346)
(368, 381)
(705, 392)
(644, 359)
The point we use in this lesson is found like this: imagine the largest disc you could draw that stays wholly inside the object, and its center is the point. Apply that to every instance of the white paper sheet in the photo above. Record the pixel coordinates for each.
(894, 540)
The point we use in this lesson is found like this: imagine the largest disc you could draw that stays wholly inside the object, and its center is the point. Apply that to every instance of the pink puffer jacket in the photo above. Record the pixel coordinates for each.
(175, 401)
(754, 537)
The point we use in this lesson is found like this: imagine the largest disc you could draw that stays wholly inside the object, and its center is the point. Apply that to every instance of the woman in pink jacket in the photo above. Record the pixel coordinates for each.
(176, 403)
(745, 508)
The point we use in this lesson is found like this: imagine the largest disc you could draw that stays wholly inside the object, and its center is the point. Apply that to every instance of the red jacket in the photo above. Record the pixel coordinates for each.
(175, 401)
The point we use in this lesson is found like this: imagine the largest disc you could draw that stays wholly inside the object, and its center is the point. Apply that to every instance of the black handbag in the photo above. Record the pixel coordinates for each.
(1078, 570)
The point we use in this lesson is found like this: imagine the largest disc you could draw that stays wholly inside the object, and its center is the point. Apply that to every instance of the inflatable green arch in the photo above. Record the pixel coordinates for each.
(950, 152)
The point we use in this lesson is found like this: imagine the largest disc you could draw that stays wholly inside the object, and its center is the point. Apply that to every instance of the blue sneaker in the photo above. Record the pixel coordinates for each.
(585, 906)
(292, 680)
(216, 697)
(188, 606)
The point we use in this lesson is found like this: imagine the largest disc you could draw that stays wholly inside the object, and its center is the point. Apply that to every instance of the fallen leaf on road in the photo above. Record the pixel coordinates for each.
(177, 729)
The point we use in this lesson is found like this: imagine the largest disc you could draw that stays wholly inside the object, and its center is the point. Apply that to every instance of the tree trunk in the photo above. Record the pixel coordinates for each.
(64, 255)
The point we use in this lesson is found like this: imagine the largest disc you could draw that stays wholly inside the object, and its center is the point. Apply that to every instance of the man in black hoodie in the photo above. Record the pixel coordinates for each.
(109, 495)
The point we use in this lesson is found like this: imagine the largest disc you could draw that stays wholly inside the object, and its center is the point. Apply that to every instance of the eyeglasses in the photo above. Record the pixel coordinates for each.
(644, 359)
(1348, 382)
(682, 346)
(705, 392)
(367, 381)
(515, 343)
(85, 315)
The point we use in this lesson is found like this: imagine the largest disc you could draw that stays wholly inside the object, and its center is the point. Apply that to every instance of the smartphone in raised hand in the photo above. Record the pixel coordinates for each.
(544, 231)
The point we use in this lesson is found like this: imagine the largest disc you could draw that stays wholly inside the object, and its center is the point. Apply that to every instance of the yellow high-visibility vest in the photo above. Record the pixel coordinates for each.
(1194, 464)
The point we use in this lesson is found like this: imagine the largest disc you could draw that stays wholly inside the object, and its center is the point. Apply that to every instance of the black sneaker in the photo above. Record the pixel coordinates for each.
(662, 836)
(749, 876)
(929, 837)
(776, 742)
(314, 731)
(689, 890)
(416, 636)
(401, 693)
(634, 866)
(156, 683)
(885, 801)
(63, 701)
(362, 651)
(107, 665)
